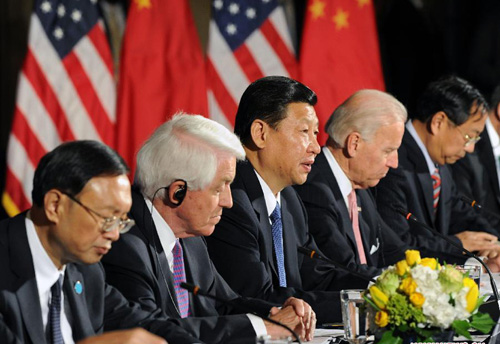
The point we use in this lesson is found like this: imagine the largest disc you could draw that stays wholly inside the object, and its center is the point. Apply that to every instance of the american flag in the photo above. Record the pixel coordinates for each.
(249, 39)
(66, 91)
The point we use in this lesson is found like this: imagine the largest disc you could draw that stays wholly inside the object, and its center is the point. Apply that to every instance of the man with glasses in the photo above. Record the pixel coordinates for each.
(52, 287)
(449, 117)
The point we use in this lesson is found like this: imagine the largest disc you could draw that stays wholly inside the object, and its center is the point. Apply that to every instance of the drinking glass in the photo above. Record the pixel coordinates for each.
(354, 316)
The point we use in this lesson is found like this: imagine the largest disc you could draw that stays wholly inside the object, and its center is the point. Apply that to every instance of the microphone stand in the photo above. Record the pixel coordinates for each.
(410, 216)
(195, 290)
(314, 255)
(478, 207)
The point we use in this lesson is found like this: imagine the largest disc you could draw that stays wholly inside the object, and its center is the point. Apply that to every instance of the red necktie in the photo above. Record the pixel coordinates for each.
(353, 213)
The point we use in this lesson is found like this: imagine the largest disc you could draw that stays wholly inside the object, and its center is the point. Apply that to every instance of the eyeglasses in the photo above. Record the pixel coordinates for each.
(468, 140)
(110, 223)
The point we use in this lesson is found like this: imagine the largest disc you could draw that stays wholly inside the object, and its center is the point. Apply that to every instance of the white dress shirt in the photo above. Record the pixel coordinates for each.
(167, 241)
(345, 184)
(430, 164)
(46, 274)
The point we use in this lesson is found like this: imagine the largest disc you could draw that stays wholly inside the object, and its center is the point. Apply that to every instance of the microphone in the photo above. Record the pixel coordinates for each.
(196, 290)
(410, 216)
(314, 255)
(478, 207)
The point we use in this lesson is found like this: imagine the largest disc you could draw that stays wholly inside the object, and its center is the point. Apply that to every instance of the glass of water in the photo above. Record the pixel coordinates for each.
(354, 316)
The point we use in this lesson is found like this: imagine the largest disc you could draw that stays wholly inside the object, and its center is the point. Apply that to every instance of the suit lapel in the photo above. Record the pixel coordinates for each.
(27, 293)
(487, 157)
(256, 197)
(289, 241)
(80, 322)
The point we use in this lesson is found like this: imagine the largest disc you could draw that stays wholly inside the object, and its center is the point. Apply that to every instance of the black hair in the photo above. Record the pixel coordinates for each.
(454, 96)
(71, 165)
(267, 99)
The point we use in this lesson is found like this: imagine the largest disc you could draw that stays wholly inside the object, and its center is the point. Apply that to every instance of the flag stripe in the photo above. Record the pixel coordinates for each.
(87, 95)
(22, 170)
(29, 103)
(60, 82)
(222, 96)
(24, 133)
(246, 60)
(98, 38)
(217, 111)
(98, 75)
(287, 59)
(278, 20)
(37, 80)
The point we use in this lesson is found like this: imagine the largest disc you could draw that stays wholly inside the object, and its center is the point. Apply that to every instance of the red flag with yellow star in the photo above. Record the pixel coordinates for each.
(339, 52)
(162, 71)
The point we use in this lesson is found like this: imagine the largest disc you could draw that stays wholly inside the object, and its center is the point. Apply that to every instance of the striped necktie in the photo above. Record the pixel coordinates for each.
(54, 331)
(180, 277)
(277, 231)
(436, 187)
(354, 215)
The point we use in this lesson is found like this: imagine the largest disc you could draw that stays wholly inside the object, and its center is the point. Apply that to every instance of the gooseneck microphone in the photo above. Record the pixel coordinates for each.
(315, 255)
(410, 216)
(475, 205)
(195, 290)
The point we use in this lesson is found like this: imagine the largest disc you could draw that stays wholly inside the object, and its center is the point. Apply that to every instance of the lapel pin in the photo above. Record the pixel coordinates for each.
(78, 287)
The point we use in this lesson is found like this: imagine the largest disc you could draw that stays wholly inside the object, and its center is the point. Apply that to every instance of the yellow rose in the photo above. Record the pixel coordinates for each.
(412, 257)
(417, 299)
(381, 319)
(429, 262)
(472, 295)
(401, 267)
(408, 286)
(378, 297)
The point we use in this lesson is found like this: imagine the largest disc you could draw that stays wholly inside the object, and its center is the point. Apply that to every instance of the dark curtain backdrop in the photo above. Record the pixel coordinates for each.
(420, 40)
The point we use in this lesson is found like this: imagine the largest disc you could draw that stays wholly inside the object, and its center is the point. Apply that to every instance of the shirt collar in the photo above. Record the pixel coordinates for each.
(492, 133)
(345, 184)
(430, 164)
(165, 233)
(268, 195)
(46, 272)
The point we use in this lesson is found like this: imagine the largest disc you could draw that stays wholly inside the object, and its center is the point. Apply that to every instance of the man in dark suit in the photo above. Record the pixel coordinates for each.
(364, 134)
(254, 246)
(449, 117)
(52, 287)
(183, 178)
(476, 175)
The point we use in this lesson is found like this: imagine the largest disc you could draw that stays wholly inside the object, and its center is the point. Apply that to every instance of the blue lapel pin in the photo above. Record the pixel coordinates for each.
(78, 287)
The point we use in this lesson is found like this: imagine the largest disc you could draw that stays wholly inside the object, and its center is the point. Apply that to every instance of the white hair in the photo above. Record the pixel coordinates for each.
(186, 147)
(364, 112)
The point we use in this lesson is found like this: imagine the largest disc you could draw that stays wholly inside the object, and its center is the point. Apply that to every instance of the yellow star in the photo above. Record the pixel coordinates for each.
(362, 3)
(340, 19)
(143, 4)
(317, 9)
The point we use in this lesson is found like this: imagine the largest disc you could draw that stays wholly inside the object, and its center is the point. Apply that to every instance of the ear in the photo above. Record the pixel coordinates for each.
(176, 186)
(437, 122)
(259, 133)
(497, 112)
(352, 144)
(52, 204)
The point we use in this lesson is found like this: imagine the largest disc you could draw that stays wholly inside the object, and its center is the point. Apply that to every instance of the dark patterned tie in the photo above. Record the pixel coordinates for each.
(436, 186)
(180, 277)
(277, 231)
(55, 333)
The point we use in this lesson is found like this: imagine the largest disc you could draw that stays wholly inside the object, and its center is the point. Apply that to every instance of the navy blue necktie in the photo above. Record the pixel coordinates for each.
(55, 333)
(277, 231)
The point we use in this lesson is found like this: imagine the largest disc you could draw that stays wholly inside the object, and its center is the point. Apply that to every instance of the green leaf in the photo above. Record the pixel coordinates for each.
(371, 302)
(462, 327)
(482, 322)
(388, 338)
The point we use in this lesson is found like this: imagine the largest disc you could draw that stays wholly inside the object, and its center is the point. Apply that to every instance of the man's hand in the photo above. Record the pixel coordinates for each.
(133, 336)
(305, 312)
(493, 263)
(288, 317)
(478, 241)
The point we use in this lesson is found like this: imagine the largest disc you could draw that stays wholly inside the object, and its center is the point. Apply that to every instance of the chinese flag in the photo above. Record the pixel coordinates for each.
(161, 71)
(339, 52)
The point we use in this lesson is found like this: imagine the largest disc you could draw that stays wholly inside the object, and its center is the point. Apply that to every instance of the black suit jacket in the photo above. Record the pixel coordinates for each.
(99, 307)
(242, 250)
(476, 177)
(409, 187)
(331, 227)
(138, 267)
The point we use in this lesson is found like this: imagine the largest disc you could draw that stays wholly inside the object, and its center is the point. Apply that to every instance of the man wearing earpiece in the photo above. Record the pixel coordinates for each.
(182, 183)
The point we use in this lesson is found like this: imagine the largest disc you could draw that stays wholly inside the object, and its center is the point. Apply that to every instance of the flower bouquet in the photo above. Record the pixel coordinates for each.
(420, 299)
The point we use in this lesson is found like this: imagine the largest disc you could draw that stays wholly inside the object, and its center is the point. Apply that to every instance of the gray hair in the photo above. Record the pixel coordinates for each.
(186, 147)
(365, 112)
